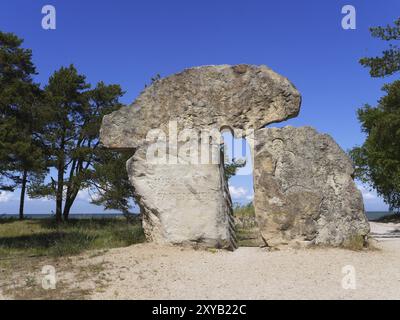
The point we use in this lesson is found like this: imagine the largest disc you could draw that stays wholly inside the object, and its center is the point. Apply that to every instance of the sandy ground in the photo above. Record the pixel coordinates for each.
(147, 271)
(382, 231)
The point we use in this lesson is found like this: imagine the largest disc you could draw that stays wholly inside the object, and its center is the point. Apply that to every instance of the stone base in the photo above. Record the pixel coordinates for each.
(183, 204)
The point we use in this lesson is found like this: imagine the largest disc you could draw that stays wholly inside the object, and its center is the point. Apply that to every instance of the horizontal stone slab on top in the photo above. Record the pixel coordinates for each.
(241, 97)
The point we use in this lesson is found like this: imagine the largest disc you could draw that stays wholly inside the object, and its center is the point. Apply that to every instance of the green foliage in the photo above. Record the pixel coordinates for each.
(377, 161)
(72, 120)
(21, 157)
(109, 181)
(247, 231)
(244, 211)
(16, 64)
(232, 167)
(57, 127)
(389, 62)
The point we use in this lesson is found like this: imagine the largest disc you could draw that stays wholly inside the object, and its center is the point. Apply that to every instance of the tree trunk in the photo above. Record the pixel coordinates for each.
(59, 194)
(22, 197)
(69, 201)
(67, 208)
(68, 198)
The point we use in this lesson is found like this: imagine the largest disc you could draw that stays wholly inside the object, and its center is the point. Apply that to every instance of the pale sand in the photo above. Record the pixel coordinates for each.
(382, 231)
(147, 271)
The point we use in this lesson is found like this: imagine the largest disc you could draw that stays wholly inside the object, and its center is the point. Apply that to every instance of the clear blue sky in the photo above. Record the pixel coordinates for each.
(128, 42)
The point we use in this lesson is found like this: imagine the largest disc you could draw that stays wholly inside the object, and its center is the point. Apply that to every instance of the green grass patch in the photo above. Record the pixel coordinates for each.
(247, 232)
(45, 237)
(244, 211)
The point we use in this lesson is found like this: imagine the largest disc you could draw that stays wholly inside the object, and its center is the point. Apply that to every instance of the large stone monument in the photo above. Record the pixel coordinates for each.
(180, 188)
(304, 190)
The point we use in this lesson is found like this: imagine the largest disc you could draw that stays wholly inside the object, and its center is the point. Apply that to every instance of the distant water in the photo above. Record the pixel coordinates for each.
(371, 215)
(72, 215)
(374, 215)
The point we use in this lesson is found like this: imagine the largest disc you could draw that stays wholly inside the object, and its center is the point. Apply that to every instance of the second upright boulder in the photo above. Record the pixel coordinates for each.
(304, 190)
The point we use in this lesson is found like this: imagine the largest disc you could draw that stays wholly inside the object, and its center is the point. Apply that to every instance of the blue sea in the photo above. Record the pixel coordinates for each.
(371, 215)
(71, 216)
(374, 215)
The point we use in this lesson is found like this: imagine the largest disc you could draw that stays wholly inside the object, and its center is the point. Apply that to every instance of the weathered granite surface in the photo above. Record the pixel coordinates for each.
(241, 97)
(190, 203)
(304, 190)
(183, 204)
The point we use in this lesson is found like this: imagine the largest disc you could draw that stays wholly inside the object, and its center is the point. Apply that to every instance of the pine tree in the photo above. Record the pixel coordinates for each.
(110, 183)
(73, 115)
(21, 156)
(377, 161)
(389, 62)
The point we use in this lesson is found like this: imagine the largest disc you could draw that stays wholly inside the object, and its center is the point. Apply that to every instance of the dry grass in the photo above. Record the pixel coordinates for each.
(46, 238)
(27, 246)
(355, 243)
(247, 231)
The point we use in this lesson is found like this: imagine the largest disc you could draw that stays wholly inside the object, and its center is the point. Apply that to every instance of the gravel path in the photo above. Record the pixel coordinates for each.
(147, 271)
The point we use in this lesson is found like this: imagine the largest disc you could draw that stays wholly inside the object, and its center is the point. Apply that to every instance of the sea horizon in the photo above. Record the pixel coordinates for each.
(371, 215)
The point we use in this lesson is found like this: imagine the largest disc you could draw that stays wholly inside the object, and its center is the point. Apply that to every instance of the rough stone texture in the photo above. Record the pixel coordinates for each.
(183, 204)
(304, 190)
(190, 203)
(241, 97)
